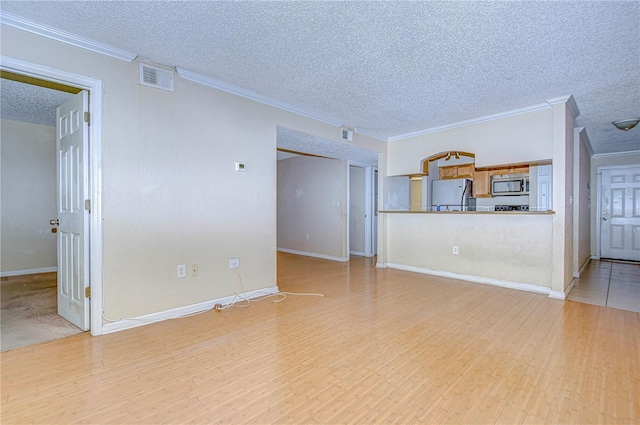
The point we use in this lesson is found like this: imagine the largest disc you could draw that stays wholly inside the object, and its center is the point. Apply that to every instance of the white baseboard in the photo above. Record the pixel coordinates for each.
(584, 266)
(28, 271)
(559, 295)
(313, 254)
(381, 265)
(476, 279)
(175, 313)
(360, 253)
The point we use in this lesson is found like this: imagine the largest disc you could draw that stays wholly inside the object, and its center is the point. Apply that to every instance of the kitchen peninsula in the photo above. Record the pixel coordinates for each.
(527, 250)
(411, 211)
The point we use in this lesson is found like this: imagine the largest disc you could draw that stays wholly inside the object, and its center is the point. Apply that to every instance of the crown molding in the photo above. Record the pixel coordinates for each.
(15, 21)
(569, 100)
(582, 133)
(477, 120)
(373, 135)
(248, 94)
(251, 95)
(600, 155)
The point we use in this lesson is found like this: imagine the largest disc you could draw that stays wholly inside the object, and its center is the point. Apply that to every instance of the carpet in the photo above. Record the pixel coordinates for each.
(29, 311)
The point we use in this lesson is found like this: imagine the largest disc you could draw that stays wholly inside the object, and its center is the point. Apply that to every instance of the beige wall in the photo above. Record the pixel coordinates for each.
(170, 192)
(28, 197)
(582, 201)
(356, 210)
(511, 248)
(562, 245)
(519, 138)
(541, 135)
(605, 160)
(312, 200)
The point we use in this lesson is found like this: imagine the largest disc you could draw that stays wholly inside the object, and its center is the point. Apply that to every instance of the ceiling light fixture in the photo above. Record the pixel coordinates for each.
(449, 154)
(626, 124)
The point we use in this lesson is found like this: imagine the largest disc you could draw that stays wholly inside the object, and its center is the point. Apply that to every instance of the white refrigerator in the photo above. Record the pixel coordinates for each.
(452, 195)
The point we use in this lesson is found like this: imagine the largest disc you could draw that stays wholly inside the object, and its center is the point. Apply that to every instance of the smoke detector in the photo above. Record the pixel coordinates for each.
(152, 76)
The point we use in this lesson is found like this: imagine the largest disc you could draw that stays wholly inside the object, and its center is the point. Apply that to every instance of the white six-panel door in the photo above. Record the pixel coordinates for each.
(620, 214)
(72, 179)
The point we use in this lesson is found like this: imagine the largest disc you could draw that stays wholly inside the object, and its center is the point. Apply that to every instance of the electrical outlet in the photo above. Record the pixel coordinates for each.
(234, 263)
(181, 271)
(455, 250)
(194, 270)
(306, 236)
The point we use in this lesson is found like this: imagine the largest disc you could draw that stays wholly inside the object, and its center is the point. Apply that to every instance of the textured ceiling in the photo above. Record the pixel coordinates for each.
(27, 103)
(296, 141)
(389, 68)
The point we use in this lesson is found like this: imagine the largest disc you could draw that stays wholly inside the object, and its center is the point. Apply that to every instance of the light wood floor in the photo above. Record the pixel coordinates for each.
(384, 346)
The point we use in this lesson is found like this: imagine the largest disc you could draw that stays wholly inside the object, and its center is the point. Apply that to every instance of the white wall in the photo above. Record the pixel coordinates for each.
(396, 193)
(170, 192)
(604, 160)
(356, 210)
(312, 200)
(28, 197)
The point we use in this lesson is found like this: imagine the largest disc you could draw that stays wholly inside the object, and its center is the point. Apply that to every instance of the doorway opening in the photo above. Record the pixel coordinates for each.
(30, 195)
(89, 189)
(327, 197)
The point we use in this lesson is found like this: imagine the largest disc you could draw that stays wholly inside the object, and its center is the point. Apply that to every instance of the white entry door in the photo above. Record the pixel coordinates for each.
(620, 214)
(72, 146)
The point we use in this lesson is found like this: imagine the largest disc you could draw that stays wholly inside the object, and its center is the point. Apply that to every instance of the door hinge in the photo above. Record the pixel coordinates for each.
(87, 205)
(87, 292)
(86, 117)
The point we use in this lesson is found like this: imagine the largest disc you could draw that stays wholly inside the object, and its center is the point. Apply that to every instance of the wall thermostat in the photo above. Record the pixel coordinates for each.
(239, 166)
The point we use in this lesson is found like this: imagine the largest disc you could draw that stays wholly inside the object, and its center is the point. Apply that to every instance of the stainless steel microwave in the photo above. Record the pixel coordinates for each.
(514, 184)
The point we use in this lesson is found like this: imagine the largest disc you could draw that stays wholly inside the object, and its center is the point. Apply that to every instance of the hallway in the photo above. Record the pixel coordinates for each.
(609, 283)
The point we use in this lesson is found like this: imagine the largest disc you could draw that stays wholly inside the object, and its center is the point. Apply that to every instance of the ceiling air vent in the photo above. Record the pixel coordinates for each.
(156, 77)
(347, 134)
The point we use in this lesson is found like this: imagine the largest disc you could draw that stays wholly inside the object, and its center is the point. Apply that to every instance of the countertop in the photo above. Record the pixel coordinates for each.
(467, 212)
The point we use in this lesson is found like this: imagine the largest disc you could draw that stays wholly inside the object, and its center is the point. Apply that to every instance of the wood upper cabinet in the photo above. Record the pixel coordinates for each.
(462, 171)
(510, 170)
(481, 185)
(481, 177)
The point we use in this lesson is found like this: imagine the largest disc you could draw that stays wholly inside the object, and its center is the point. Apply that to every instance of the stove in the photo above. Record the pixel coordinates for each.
(512, 207)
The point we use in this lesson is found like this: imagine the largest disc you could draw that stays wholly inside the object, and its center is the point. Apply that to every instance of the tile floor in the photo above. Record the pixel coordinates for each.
(609, 283)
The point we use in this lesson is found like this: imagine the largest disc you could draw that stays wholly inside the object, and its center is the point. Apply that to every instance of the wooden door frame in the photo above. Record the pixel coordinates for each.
(94, 87)
(598, 216)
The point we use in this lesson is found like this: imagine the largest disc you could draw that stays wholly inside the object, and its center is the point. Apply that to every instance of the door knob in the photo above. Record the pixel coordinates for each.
(55, 222)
